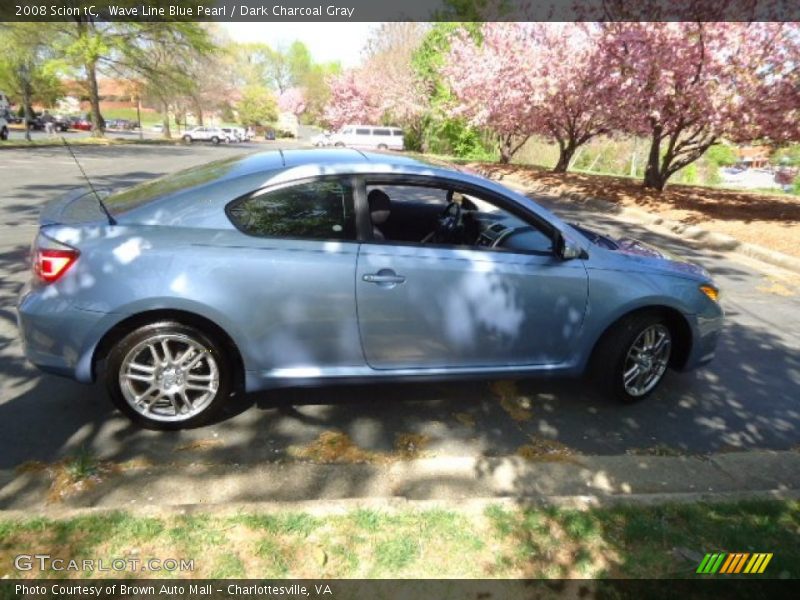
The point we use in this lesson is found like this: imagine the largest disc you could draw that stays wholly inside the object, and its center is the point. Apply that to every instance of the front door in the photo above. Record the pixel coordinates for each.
(423, 305)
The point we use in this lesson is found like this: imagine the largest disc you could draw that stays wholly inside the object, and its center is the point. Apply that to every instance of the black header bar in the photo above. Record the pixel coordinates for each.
(399, 10)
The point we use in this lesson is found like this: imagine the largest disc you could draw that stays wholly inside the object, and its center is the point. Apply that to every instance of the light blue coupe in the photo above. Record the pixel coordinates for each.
(312, 266)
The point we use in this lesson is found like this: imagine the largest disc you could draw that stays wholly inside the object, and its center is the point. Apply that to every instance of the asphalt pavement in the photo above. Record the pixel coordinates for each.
(747, 398)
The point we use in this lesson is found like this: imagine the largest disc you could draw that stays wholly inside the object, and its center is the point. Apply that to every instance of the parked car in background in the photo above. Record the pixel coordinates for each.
(322, 140)
(3, 129)
(35, 122)
(61, 123)
(121, 124)
(235, 134)
(367, 136)
(269, 134)
(215, 135)
(158, 127)
(316, 266)
(82, 124)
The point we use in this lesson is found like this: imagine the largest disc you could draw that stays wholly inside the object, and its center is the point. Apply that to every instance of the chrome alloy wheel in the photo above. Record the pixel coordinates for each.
(169, 377)
(647, 360)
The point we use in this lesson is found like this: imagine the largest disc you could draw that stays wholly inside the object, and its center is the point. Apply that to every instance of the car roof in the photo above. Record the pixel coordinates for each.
(232, 176)
(330, 160)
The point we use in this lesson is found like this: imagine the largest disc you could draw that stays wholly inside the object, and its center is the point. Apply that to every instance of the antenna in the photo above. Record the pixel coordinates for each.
(111, 220)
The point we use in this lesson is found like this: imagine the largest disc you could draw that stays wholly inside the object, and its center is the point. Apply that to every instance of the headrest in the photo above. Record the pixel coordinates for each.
(380, 206)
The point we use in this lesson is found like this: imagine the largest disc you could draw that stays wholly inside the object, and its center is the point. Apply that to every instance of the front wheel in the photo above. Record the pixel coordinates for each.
(631, 360)
(215, 140)
(339, 145)
(168, 376)
(4, 133)
(187, 139)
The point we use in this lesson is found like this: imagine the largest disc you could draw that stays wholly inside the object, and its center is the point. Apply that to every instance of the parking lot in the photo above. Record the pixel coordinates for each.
(747, 398)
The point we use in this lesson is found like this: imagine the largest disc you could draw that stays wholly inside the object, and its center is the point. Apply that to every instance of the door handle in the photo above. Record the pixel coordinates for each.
(385, 277)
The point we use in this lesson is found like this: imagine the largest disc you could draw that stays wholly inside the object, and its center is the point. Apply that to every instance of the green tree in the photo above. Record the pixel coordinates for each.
(119, 48)
(28, 66)
(440, 133)
(167, 60)
(257, 106)
(722, 155)
(316, 89)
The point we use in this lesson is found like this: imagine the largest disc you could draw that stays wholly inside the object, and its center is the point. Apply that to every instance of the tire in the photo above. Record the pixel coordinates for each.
(619, 355)
(339, 145)
(171, 404)
(215, 140)
(4, 133)
(187, 139)
(383, 147)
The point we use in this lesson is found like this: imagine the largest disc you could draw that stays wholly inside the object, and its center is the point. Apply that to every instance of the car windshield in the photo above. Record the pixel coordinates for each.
(140, 195)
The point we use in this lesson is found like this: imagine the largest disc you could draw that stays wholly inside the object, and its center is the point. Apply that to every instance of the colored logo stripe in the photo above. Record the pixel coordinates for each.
(737, 562)
(711, 563)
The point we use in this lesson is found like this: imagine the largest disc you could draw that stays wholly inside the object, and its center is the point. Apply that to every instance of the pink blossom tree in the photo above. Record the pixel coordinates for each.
(492, 85)
(351, 100)
(686, 85)
(526, 79)
(386, 87)
(293, 101)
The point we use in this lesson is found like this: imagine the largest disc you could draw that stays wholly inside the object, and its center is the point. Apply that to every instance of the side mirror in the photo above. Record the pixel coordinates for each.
(568, 249)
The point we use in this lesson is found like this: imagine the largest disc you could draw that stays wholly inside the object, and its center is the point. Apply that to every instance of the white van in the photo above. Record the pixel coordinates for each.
(368, 136)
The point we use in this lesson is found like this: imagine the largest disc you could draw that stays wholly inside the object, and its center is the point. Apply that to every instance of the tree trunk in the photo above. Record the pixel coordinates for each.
(166, 134)
(199, 112)
(28, 113)
(565, 153)
(653, 177)
(98, 123)
(505, 154)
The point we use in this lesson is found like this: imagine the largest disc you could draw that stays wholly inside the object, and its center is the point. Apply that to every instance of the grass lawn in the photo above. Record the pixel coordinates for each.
(149, 117)
(618, 541)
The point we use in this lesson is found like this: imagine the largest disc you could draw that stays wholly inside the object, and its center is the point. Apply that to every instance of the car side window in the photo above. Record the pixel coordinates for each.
(423, 215)
(363, 131)
(315, 210)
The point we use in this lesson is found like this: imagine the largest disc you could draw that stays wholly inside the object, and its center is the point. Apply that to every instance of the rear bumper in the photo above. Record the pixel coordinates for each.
(57, 337)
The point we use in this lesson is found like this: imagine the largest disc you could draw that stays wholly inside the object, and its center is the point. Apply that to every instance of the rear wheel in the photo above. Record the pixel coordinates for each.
(630, 361)
(4, 133)
(383, 147)
(339, 145)
(168, 376)
(215, 140)
(187, 139)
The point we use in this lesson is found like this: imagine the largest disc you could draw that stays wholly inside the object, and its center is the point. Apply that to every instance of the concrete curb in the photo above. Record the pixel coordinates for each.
(470, 506)
(452, 481)
(702, 237)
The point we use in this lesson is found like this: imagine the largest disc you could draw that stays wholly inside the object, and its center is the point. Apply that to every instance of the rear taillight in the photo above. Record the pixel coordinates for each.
(52, 259)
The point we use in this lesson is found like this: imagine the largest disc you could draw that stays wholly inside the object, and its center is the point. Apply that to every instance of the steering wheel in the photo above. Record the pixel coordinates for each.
(450, 223)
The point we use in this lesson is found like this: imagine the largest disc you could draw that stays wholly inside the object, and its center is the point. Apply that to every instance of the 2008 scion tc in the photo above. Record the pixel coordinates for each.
(334, 265)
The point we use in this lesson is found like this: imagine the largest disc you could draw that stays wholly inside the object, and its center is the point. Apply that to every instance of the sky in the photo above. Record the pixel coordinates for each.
(326, 41)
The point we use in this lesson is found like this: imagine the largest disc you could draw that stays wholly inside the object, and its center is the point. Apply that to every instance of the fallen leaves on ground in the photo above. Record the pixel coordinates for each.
(769, 220)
